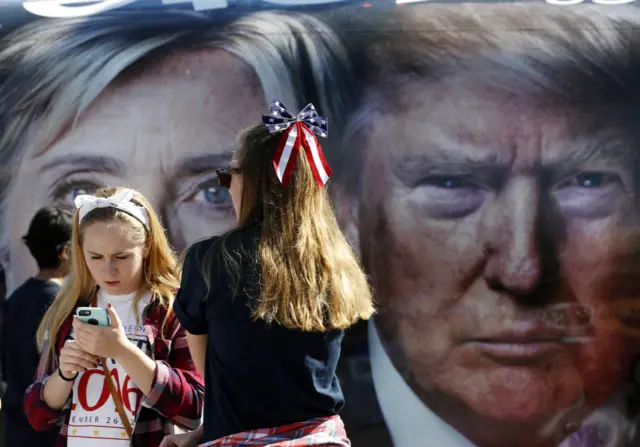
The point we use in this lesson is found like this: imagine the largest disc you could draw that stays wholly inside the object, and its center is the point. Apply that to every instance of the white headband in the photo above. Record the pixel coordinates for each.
(120, 201)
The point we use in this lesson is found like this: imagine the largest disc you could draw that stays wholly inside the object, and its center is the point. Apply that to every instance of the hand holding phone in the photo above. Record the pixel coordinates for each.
(96, 316)
(74, 360)
(100, 332)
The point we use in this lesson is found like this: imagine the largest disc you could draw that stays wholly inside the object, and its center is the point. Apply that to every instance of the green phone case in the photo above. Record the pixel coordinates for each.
(94, 315)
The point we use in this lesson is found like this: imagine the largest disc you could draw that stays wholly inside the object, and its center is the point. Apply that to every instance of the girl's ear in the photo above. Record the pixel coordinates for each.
(147, 247)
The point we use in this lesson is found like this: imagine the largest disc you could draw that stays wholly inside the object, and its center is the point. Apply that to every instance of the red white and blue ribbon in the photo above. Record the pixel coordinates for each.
(298, 132)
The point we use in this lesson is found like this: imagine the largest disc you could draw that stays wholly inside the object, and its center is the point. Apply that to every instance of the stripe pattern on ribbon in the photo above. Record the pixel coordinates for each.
(298, 132)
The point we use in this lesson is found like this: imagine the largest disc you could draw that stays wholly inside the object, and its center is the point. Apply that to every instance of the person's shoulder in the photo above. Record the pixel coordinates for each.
(33, 290)
(21, 290)
(199, 261)
(246, 237)
(199, 249)
(49, 288)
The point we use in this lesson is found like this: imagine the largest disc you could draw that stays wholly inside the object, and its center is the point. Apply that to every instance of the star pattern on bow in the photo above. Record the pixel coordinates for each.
(281, 118)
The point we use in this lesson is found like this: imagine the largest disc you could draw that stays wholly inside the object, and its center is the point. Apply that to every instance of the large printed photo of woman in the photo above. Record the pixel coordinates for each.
(152, 100)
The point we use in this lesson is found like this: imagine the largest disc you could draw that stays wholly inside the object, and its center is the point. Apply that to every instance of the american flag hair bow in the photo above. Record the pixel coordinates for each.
(299, 131)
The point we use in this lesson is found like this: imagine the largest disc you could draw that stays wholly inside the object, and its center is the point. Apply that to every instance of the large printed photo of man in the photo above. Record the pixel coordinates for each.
(489, 176)
(487, 168)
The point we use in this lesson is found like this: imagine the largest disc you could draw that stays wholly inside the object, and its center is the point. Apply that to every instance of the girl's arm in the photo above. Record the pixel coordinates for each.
(138, 366)
(198, 349)
(38, 412)
(72, 360)
(46, 400)
(178, 390)
(56, 391)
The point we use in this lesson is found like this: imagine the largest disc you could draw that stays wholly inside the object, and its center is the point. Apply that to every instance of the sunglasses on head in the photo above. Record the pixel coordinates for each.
(224, 176)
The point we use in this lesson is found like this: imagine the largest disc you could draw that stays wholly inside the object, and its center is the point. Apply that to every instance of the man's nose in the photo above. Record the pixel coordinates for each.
(513, 238)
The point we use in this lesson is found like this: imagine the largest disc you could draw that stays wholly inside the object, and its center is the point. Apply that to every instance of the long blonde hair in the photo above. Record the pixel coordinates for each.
(159, 271)
(311, 279)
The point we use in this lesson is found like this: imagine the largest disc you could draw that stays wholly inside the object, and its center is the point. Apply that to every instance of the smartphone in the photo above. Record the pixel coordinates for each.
(94, 315)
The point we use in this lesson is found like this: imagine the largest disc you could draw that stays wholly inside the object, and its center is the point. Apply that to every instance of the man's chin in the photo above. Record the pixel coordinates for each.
(515, 394)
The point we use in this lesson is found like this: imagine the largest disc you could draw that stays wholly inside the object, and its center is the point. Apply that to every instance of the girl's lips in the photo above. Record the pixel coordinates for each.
(111, 283)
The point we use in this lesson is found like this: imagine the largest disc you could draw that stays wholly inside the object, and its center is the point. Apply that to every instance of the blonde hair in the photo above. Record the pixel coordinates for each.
(311, 279)
(160, 276)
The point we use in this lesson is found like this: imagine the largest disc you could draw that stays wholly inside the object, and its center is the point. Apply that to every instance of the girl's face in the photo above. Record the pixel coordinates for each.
(235, 191)
(115, 256)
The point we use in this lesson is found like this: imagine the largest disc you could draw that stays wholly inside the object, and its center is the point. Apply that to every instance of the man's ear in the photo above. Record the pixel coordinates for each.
(65, 252)
(347, 207)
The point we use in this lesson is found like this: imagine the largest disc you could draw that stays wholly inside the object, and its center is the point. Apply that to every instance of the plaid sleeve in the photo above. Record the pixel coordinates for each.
(39, 414)
(177, 390)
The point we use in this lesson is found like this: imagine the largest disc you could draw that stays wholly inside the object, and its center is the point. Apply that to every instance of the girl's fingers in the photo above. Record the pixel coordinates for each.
(81, 361)
(83, 341)
(76, 351)
(72, 367)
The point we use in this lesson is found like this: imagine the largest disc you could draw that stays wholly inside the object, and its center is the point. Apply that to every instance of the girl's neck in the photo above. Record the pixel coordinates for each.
(120, 297)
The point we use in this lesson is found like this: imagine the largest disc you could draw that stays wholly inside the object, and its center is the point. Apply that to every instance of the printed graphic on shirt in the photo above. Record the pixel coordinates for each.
(93, 412)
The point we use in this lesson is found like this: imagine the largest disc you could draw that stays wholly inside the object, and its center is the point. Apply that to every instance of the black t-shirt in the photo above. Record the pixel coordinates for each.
(256, 375)
(23, 312)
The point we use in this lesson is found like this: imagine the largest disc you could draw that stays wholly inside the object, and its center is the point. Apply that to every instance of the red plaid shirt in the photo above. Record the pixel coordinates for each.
(319, 432)
(176, 395)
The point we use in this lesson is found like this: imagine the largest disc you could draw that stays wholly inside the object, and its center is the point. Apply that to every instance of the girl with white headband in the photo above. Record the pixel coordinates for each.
(133, 382)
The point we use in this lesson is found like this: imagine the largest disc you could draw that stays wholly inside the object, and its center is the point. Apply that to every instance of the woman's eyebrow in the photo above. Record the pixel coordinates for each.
(204, 163)
(98, 163)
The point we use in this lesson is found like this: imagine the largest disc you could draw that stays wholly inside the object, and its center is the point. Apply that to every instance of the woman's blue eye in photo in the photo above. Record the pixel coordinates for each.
(213, 194)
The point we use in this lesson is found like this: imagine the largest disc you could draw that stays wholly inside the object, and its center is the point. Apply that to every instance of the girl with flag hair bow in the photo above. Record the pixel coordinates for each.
(266, 305)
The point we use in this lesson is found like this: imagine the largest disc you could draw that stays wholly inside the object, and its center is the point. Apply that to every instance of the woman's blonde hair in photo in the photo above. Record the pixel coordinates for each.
(311, 278)
(159, 271)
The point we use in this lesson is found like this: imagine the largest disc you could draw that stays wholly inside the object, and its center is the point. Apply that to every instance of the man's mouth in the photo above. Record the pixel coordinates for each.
(517, 350)
(526, 340)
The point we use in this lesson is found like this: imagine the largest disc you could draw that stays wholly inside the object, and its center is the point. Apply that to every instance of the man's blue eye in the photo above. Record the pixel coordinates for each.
(446, 181)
